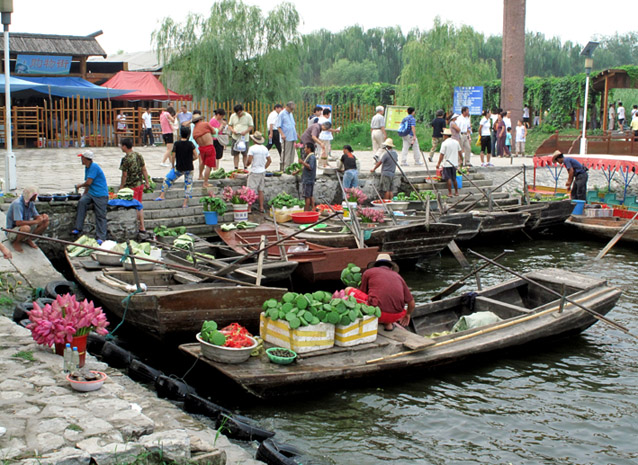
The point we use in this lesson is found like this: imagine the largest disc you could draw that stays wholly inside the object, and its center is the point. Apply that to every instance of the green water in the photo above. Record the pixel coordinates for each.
(571, 401)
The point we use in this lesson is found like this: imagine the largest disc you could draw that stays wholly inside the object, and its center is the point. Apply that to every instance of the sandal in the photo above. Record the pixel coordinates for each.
(159, 199)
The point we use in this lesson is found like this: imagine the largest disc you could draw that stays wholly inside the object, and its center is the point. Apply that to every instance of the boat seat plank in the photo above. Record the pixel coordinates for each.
(405, 337)
(485, 304)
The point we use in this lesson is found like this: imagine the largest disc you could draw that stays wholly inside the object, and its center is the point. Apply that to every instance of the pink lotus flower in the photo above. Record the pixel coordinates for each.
(243, 195)
(354, 194)
(65, 318)
(370, 215)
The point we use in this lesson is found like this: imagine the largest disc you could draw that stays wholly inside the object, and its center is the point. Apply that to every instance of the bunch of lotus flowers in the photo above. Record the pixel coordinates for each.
(65, 318)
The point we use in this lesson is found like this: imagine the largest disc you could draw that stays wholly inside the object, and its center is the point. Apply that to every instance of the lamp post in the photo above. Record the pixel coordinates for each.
(6, 8)
(589, 63)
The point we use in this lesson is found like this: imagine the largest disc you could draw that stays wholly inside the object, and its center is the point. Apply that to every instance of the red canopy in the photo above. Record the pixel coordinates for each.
(594, 161)
(146, 85)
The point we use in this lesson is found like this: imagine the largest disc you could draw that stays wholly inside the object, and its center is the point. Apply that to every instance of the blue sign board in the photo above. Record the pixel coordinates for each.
(471, 97)
(42, 64)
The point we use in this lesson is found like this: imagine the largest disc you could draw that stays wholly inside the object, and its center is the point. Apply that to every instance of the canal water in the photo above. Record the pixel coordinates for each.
(570, 401)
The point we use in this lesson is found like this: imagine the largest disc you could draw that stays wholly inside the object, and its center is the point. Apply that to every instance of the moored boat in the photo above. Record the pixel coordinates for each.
(528, 313)
(175, 303)
(604, 227)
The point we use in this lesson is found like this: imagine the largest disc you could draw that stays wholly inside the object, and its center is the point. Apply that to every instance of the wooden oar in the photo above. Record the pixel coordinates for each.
(557, 294)
(452, 247)
(469, 207)
(491, 329)
(347, 226)
(616, 238)
(459, 284)
(138, 257)
(353, 214)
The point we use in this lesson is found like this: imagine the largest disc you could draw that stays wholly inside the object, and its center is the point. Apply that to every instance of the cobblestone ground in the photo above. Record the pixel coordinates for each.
(45, 422)
(58, 170)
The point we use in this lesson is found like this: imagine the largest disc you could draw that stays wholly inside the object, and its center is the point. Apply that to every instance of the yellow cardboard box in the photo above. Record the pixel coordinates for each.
(361, 331)
(301, 340)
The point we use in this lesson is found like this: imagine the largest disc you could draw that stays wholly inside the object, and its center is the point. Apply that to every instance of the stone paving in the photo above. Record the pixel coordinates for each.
(45, 422)
(58, 170)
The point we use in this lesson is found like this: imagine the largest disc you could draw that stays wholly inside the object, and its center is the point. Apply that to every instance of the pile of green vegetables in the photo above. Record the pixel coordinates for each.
(78, 250)
(318, 307)
(211, 334)
(240, 225)
(137, 248)
(163, 231)
(403, 197)
(218, 174)
(150, 188)
(285, 200)
(125, 194)
(292, 168)
(351, 275)
(184, 242)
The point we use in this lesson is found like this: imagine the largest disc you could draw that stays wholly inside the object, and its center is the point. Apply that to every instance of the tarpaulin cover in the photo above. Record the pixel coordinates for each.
(147, 86)
(598, 162)
(18, 84)
(74, 86)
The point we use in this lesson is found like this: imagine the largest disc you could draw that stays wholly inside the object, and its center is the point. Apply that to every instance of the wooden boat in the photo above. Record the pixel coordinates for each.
(528, 314)
(604, 227)
(407, 240)
(175, 303)
(315, 262)
(545, 214)
(470, 225)
(500, 223)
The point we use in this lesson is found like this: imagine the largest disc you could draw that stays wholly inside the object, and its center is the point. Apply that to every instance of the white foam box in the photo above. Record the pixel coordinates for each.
(302, 340)
(599, 212)
(360, 332)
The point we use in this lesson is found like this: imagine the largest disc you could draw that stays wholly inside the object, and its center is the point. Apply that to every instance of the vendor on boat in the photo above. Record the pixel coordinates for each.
(387, 290)
(577, 175)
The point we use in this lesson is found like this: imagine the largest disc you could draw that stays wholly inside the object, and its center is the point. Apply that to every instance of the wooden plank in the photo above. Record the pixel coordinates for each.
(405, 337)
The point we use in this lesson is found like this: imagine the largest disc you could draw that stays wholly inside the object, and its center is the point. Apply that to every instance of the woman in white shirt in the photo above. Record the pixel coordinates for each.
(521, 135)
(485, 130)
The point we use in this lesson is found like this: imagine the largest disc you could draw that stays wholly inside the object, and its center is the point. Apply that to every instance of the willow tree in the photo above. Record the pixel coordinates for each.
(236, 52)
(436, 61)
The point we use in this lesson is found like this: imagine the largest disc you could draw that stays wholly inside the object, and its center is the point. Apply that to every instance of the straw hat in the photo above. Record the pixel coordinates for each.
(384, 259)
(388, 143)
(447, 132)
(197, 118)
(555, 155)
(29, 192)
(257, 138)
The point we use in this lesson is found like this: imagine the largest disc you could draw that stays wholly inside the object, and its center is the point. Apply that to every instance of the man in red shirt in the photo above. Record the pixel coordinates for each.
(387, 290)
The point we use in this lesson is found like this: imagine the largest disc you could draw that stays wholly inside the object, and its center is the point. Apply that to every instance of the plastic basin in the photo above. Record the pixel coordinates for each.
(225, 354)
(305, 217)
(87, 386)
(279, 359)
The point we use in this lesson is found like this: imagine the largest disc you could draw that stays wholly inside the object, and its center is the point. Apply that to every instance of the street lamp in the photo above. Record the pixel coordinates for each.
(589, 63)
(6, 8)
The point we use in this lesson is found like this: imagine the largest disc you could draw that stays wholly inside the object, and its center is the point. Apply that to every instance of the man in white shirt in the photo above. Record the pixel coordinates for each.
(620, 112)
(507, 119)
(147, 128)
(273, 133)
(326, 137)
(258, 160)
(451, 157)
(526, 115)
(465, 124)
(377, 130)
(485, 130)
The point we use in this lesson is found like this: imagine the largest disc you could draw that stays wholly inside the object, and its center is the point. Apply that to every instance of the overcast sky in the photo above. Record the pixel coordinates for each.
(128, 24)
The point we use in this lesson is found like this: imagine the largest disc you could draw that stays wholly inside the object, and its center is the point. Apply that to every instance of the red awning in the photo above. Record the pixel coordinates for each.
(146, 85)
(597, 162)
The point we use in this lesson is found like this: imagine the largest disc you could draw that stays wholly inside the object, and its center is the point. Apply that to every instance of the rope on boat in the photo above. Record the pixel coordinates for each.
(125, 302)
(39, 292)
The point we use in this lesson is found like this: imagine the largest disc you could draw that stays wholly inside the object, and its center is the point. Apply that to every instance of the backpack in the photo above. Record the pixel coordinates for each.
(404, 127)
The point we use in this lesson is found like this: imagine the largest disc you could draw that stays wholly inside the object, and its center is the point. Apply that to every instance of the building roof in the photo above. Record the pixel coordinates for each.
(137, 61)
(47, 44)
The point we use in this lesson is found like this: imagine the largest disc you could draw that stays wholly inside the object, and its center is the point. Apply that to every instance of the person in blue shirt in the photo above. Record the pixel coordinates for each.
(23, 216)
(96, 193)
(577, 175)
(287, 128)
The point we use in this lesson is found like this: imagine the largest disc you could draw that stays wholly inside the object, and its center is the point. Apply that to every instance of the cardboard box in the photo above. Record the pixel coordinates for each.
(302, 340)
(360, 332)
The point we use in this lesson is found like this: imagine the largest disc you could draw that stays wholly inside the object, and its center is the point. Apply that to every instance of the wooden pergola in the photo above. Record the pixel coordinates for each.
(611, 79)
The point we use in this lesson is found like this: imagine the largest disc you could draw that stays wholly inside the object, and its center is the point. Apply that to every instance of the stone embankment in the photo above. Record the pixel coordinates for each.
(45, 422)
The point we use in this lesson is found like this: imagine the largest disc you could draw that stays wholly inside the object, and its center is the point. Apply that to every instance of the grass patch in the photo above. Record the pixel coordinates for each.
(74, 427)
(24, 355)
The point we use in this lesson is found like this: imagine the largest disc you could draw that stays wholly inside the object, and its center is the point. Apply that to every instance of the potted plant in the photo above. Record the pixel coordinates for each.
(213, 207)
(241, 199)
(66, 320)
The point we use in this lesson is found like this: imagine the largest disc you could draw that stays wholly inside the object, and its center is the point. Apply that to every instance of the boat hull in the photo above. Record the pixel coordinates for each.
(604, 228)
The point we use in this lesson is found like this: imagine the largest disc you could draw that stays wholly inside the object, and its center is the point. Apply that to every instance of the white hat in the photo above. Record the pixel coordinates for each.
(455, 115)
(87, 154)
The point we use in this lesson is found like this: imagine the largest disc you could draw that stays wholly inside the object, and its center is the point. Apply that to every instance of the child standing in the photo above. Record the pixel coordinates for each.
(508, 142)
(521, 135)
(182, 156)
(309, 175)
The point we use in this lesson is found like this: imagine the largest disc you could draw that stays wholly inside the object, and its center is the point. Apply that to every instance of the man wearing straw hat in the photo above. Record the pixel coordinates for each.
(577, 175)
(258, 160)
(388, 168)
(23, 216)
(387, 290)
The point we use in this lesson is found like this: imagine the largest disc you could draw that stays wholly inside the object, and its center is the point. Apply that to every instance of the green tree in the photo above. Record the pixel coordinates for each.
(234, 53)
(438, 60)
(345, 72)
